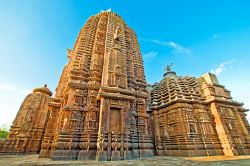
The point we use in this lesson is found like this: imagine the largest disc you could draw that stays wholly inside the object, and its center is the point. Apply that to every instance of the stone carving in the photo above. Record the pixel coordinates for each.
(100, 143)
(85, 145)
(187, 104)
(116, 145)
(117, 34)
(168, 68)
(28, 117)
(102, 109)
(26, 133)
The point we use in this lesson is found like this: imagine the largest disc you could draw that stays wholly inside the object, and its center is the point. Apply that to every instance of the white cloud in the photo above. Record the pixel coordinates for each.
(171, 44)
(149, 55)
(7, 87)
(179, 48)
(222, 67)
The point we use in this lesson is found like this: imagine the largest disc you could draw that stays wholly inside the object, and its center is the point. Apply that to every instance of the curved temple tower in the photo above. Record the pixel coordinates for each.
(102, 109)
(101, 97)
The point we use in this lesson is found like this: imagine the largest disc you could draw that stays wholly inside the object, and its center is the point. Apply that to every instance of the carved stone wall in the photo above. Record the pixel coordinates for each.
(183, 122)
(27, 130)
(101, 89)
(103, 110)
(230, 118)
(196, 117)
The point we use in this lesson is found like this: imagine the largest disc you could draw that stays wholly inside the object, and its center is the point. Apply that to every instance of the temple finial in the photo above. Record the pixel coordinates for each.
(109, 10)
(168, 68)
(69, 50)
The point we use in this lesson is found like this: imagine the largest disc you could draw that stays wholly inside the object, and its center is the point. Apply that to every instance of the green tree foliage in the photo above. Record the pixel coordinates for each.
(4, 131)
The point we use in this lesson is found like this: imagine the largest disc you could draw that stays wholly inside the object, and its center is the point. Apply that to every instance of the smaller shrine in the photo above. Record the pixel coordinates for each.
(27, 130)
(197, 117)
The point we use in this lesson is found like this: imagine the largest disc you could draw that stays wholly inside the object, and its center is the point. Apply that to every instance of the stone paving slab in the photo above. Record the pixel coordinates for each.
(32, 160)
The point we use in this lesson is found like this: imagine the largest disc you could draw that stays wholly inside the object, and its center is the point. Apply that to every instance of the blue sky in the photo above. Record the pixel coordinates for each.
(197, 36)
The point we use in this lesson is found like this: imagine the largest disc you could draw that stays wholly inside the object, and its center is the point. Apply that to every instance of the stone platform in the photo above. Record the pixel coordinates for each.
(28, 160)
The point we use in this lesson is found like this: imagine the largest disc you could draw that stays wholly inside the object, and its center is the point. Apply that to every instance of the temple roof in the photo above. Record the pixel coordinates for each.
(108, 12)
(43, 89)
(173, 88)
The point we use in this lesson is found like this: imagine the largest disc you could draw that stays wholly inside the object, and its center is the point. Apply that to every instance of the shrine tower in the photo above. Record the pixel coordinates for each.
(100, 104)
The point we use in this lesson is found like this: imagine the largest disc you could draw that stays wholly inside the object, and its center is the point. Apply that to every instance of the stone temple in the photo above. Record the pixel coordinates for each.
(103, 108)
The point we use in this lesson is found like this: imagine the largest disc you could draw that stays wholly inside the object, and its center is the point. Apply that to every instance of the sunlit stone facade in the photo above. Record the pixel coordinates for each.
(103, 108)
(197, 117)
(27, 130)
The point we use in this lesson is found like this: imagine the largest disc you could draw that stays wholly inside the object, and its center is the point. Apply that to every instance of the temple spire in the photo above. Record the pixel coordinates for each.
(168, 68)
(169, 72)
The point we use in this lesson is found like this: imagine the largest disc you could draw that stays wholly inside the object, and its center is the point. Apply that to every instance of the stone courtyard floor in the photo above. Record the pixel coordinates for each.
(30, 160)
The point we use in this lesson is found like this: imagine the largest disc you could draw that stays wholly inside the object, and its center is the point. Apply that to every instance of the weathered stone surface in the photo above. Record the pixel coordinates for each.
(197, 117)
(102, 91)
(27, 130)
(229, 117)
(102, 109)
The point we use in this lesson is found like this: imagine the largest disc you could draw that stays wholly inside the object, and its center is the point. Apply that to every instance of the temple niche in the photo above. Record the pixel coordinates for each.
(104, 110)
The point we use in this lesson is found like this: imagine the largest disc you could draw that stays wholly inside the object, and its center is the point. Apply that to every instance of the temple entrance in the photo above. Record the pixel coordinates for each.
(115, 120)
(114, 133)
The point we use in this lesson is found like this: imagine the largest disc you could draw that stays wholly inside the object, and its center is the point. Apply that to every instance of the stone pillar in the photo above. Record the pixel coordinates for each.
(223, 137)
(47, 147)
(103, 131)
